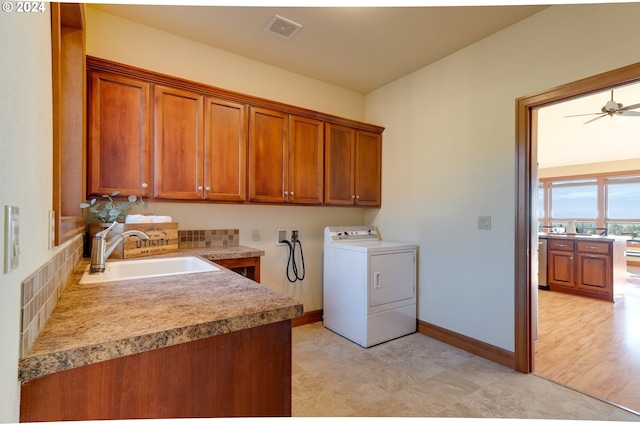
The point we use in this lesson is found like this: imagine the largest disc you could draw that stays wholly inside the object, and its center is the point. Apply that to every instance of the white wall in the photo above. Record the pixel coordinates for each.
(449, 155)
(111, 37)
(124, 41)
(25, 174)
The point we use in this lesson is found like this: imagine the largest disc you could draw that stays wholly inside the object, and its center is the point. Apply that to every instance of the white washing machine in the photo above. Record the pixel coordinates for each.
(369, 285)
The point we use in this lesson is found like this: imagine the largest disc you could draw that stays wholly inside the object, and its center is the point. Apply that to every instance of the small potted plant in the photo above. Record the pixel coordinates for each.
(103, 213)
(109, 211)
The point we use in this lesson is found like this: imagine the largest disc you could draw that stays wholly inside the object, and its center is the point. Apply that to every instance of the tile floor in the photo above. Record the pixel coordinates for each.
(417, 376)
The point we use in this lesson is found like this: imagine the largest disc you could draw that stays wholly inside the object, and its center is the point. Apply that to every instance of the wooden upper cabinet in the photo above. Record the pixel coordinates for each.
(166, 138)
(285, 158)
(339, 151)
(119, 135)
(268, 159)
(225, 150)
(367, 168)
(352, 166)
(306, 160)
(178, 144)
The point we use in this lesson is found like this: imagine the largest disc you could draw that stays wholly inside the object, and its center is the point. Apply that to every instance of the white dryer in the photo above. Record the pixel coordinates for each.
(369, 288)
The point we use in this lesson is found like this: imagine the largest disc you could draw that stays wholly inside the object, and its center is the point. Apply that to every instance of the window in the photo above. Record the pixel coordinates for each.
(623, 204)
(609, 201)
(574, 199)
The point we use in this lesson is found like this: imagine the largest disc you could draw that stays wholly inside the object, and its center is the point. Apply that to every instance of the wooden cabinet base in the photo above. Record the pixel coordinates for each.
(248, 267)
(241, 374)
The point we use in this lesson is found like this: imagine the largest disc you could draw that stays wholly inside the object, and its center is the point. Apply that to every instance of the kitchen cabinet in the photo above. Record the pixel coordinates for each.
(119, 135)
(285, 158)
(560, 263)
(593, 268)
(225, 150)
(247, 267)
(198, 142)
(178, 144)
(352, 166)
(244, 373)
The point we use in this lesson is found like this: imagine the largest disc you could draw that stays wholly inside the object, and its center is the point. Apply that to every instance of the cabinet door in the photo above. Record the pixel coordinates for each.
(306, 160)
(368, 153)
(594, 273)
(225, 152)
(339, 151)
(119, 135)
(178, 144)
(560, 268)
(268, 135)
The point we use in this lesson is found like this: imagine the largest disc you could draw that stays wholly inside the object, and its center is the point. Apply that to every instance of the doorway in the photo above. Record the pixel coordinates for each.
(526, 191)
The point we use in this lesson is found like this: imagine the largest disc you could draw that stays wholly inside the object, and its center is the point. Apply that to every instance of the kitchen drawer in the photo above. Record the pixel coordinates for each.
(566, 245)
(594, 247)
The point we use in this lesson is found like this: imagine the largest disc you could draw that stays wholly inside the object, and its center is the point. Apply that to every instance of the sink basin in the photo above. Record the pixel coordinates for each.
(146, 268)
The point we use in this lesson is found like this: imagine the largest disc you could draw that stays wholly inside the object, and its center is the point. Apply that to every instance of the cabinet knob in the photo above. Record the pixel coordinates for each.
(286, 193)
(353, 196)
(199, 188)
(357, 197)
(291, 194)
(144, 185)
(207, 188)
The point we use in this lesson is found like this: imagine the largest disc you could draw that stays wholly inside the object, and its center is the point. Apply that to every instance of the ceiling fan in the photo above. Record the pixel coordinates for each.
(612, 108)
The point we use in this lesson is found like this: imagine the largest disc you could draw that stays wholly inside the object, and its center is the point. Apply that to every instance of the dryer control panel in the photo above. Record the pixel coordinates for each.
(361, 233)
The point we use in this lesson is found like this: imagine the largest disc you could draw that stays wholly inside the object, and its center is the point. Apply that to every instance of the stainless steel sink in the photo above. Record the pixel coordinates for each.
(146, 268)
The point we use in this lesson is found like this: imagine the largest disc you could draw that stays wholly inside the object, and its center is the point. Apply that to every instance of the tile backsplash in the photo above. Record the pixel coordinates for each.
(42, 289)
(207, 238)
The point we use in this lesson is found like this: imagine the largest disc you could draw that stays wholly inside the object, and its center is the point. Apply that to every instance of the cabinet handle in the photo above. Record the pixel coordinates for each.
(144, 185)
(199, 188)
(353, 196)
(291, 194)
(286, 193)
(207, 188)
(591, 247)
(595, 256)
(562, 245)
(357, 197)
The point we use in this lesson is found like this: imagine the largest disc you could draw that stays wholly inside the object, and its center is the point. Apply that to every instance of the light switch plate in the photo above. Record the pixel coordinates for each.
(52, 229)
(11, 238)
(484, 223)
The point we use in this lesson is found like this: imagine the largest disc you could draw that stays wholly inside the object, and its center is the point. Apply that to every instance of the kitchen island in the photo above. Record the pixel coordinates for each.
(592, 266)
(209, 344)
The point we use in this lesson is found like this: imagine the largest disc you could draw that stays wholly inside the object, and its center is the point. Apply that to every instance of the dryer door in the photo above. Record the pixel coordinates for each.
(392, 277)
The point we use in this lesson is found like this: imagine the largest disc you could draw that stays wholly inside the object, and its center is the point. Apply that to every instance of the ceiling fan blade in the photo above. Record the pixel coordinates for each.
(584, 114)
(637, 105)
(601, 116)
(629, 113)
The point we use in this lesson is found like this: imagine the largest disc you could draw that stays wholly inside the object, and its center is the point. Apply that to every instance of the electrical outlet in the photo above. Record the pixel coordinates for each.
(282, 235)
(255, 235)
(11, 238)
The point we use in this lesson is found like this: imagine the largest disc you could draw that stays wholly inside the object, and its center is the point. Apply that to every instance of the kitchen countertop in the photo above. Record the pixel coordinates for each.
(582, 237)
(98, 322)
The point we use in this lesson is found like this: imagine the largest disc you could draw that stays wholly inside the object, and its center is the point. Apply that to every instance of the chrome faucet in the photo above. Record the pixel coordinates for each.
(101, 248)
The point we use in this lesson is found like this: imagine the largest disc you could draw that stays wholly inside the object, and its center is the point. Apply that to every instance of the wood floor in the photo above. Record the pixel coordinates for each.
(591, 345)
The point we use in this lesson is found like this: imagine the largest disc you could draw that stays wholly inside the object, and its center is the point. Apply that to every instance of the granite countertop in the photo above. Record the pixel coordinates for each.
(98, 322)
(231, 252)
(582, 237)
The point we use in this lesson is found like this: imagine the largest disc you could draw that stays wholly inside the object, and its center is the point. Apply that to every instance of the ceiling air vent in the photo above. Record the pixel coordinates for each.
(283, 27)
